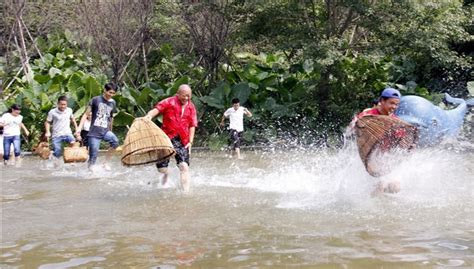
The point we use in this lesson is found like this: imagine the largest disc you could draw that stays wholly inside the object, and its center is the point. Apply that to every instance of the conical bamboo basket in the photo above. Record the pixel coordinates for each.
(382, 134)
(145, 143)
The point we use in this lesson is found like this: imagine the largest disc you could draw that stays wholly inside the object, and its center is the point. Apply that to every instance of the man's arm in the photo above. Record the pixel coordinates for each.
(191, 137)
(152, 113)
(76, 128)
(47, 128)
(47, 125)
(248, 113)
(111, 122)
(24, 129)
(222, 120)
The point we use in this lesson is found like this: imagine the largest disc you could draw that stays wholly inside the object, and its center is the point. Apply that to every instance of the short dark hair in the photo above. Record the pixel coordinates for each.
(110, 86)
(62, 98)
(235, 101)
(14, 107)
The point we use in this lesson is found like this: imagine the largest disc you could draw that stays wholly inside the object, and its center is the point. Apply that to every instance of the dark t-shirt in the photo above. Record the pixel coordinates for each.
(102, 113)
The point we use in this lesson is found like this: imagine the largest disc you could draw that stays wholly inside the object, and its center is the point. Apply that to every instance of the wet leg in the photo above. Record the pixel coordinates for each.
(184, 176)
(165, 173)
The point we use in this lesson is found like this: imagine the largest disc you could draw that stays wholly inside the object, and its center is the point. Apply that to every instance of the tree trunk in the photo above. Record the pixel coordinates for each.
(22, 46)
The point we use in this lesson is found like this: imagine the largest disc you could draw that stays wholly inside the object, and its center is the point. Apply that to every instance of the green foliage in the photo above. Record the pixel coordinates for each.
(60, 71)
(302, 67)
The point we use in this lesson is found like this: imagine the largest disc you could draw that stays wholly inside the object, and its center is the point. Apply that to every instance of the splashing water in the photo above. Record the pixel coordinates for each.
(274, 208)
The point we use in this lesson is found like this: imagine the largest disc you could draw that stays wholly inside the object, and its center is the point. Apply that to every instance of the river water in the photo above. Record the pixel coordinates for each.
(274, 209)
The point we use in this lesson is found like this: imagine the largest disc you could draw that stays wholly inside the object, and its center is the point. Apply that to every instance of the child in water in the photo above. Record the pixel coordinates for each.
(12, 125)
(85, 130)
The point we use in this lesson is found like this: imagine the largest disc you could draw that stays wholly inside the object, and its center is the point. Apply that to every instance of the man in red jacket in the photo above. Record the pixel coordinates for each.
(389, 101)
(179, 123)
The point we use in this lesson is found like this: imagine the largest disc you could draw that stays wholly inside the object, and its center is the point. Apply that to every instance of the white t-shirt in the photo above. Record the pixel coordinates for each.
(61, 121)
(236, 118)
(11, 124)
(87, 125)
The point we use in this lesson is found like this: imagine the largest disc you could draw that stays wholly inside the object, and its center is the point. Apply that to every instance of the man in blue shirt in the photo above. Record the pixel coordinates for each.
(102, 108)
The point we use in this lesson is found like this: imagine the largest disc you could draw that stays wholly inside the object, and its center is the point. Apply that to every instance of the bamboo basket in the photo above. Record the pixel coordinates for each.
(42, 150)
(377, 135)
(145, 143)
(75, 153)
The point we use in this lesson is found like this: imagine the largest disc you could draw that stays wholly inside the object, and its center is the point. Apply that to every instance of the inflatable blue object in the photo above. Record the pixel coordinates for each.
(434, 124)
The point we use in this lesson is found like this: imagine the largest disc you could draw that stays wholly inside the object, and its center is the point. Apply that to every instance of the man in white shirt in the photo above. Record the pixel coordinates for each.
(61, 118)
(236, 126)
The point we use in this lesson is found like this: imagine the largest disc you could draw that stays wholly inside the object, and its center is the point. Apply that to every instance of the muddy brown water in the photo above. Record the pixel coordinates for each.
(274, 209)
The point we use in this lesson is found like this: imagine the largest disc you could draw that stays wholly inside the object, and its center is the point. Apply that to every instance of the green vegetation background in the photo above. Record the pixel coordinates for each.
(304, 68)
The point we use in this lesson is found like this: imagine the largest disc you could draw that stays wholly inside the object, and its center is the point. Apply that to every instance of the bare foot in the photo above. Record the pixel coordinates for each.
(106, 167)
(378, 189)
(92, 169)
(186, 188)
(392, 187)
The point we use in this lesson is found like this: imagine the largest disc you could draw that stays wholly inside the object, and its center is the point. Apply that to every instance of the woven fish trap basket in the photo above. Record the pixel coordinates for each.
(145, 143)
(382, 134)
(75, 153)
(42, 150)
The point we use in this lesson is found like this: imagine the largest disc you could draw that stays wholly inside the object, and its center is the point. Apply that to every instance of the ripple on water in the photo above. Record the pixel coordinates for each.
(451, 263)
(239, 258)
(72, 263)
(29, 247)
(453, 246)
(6, 245)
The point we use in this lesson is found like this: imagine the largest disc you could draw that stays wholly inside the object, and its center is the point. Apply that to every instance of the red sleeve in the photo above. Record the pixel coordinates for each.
(362, 114)
(162, 105)
(194, 122)
(372, 111)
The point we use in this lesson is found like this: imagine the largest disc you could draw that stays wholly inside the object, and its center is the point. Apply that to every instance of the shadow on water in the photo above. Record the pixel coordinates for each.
(299, 208)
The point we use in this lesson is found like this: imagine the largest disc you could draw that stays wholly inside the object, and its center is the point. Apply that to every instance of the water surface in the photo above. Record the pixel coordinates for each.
(274, 209)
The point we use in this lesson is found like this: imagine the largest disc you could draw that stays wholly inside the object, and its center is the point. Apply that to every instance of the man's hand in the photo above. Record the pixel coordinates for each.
(188, 146)
(78, 136)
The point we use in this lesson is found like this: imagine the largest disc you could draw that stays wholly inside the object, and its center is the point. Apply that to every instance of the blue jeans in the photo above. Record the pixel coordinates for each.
(94, 144)
(7, 141)
(58, 144)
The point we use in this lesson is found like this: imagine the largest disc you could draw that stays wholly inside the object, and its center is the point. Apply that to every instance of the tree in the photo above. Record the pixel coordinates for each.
(118, 29)
(211, 25)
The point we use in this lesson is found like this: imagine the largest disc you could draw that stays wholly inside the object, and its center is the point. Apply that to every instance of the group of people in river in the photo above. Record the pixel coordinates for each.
(179, 124)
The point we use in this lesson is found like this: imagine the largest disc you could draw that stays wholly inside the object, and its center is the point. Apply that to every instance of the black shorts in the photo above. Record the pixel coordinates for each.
(182, 154)
(235, 138)
(85, 140)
